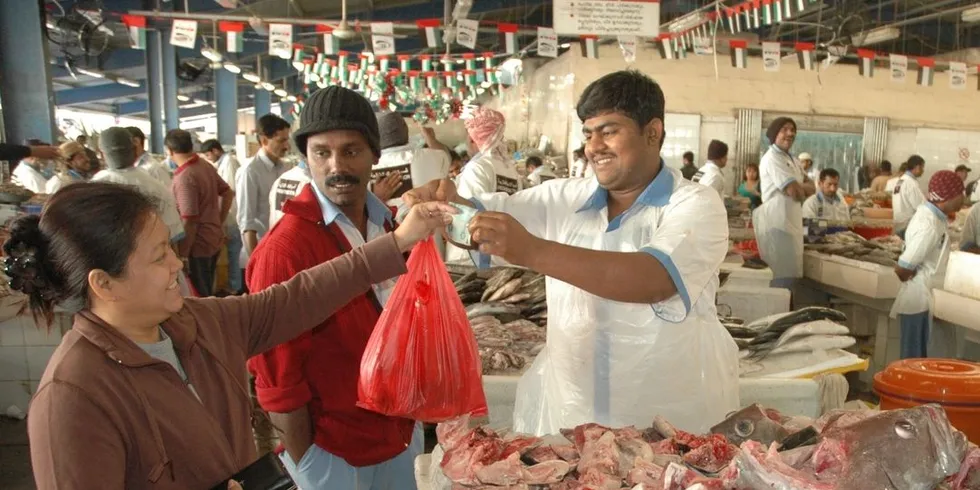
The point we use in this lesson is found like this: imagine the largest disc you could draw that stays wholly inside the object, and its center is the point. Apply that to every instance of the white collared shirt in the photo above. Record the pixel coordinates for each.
(227, 167)
(906, 199)
(540, 174)
(156, 169)
(819, 206)
(710, 175)
(147, 184)
(926, 251)
(252, 187)
(27, 177)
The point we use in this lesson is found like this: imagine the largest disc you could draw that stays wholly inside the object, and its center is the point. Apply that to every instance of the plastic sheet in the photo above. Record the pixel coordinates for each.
(421, 361)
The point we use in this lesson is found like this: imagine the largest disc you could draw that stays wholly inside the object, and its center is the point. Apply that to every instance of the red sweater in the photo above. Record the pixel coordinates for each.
(320, 368)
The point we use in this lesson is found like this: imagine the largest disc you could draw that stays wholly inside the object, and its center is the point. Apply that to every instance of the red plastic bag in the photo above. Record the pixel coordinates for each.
(421, 361)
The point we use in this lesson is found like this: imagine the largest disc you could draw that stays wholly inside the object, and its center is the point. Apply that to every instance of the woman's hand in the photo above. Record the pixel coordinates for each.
(421, 221)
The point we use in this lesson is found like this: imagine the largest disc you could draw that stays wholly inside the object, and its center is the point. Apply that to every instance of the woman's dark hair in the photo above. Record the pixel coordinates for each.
(82, 227)
(628, 92)
(745, 174)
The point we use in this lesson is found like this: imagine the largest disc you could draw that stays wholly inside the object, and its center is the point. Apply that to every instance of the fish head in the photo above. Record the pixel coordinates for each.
(750, 423)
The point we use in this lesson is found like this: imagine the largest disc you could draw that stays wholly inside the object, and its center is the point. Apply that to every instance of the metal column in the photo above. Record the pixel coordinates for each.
(25, 77)
(154, 89)
(171, 112)
(286, 109)
(226, 96)
(263, 103)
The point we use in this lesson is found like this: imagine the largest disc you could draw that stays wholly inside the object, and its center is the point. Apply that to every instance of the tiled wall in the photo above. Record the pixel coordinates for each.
(24, 353)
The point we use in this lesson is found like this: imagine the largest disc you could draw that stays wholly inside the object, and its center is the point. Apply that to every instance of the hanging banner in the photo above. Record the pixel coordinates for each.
(771, 56)
(467, 32)
(547, 42)
(957, 75)
(383, 38)
(607, 17)
(234, 32)
(627, 44)
(281, 40)
(136, 25)
(899, 67)
(184, 33)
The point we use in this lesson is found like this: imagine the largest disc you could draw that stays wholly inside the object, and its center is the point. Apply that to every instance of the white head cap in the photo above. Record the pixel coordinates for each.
(805, 156)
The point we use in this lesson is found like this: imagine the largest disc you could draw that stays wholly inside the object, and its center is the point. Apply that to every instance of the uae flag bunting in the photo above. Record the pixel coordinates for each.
(413, 81)
(756, 14)
(233, 31)
(777, 11)
(739, 53)
(666, 47)
(489, 61)
(866, 62)
(787, 9)
(733, 24)
(767, 15)
(331, 45)
(590, 47)
(681, 44)
(384, 64)
(807, 55)
(136, 25)
(469, 59)
(470, 77)
(430, 32)
(927, 69)
(509, 34)
(426, 63)
(800, 6)
(404, 63)
(432, 81)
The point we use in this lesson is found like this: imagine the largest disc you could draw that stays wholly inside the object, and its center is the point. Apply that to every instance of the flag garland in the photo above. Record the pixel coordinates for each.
(666, 47)
(234, 32)
(136, 25)
(866, 64)
(807, 55)
(331, 45)
(508, 32)
(927, 71)
(431, 32)
(739, 53)
(590, 47)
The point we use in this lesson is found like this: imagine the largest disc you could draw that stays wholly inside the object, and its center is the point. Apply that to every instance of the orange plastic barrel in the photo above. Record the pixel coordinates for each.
(951, 383)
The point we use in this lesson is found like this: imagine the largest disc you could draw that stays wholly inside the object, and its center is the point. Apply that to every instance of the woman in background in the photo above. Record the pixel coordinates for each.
(750, 185)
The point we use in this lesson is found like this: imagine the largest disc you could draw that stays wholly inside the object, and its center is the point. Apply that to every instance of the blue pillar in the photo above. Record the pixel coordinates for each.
(263, 103)
(226, 95)
(25, 78)
(154, 89)
(171, 112)
(286, 109)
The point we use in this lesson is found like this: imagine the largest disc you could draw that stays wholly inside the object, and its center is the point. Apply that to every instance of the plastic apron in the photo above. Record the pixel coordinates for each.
(915, 295)
(619, 364)
(778, 224)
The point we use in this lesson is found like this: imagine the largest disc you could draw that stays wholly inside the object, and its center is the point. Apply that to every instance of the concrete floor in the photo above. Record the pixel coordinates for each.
(15, 458)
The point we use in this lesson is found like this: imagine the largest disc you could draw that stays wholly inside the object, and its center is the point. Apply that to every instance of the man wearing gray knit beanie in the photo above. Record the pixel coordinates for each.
(402, 166)
(308, 384)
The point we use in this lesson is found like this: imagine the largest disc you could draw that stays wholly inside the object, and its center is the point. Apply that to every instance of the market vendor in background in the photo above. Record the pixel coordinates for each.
(688, 169)
(29, 172)
(963, 172)
(710, 173)
(778, 221)
(893, 181)
(309, 384)
(146, 161)
(970, 240)
(907, 196)
(632, 262)
(537, 171)
(490, 169)
(809, 169)
(884, 175)
(923, 261)
(72, 168)
(403, 166)
(827, 204)
(750, 185)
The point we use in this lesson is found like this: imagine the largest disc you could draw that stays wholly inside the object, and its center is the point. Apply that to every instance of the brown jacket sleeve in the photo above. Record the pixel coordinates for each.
(283, 311)
(62, 416)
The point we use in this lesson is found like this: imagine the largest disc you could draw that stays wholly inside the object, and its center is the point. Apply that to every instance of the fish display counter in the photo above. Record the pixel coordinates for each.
(957, 303)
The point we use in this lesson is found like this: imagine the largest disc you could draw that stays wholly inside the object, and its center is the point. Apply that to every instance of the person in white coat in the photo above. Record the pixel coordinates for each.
(29, 172)
(227, 166)
(710, 174)
(537, 171)
(631, 259)
(490, 169)
(147, 162)
(414, 166)
(922, 265)
(827, 204)
(970, 241)
(778, 221)
(72, 168)
(907, 196)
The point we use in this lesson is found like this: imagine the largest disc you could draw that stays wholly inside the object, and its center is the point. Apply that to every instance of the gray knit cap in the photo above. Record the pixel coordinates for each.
(394, 130)
(334, 108)
(117, 148)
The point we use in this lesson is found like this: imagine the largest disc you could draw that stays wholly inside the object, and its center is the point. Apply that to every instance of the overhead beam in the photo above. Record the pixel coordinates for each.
(96, 93)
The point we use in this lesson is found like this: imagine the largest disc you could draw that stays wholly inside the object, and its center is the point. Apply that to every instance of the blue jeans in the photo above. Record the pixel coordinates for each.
(320, 470)
(915, 335)
(234, 249)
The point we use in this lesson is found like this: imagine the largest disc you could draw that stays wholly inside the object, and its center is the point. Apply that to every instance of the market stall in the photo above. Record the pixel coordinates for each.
(957, 303)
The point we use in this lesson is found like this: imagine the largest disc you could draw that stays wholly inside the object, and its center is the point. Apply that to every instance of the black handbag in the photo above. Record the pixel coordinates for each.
(266, 473)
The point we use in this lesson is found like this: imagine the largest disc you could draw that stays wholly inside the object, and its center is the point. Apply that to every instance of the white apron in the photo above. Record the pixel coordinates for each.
(915, 295)
(620, 364)
(778, 222)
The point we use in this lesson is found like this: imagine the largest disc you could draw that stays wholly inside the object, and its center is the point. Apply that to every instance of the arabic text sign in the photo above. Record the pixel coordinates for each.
(184, 33)
(607, 17)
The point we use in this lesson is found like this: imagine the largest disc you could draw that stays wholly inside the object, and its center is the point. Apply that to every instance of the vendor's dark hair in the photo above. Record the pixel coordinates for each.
(136, 133)
(915, 161)
(82, 227)
(179, 141)
(628, 92)
(829, 173)
(270, 124)
(533, 161)
(211, 144)
(885, 166)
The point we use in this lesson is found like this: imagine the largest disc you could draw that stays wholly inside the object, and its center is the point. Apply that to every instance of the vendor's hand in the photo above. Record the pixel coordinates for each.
(501, 235)
(443, 190)
(904, 274)
(234, 485)
(386, 186)
(47, 152)
(422, 219)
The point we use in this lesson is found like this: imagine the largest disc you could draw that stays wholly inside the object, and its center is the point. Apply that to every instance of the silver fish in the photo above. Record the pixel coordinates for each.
(483, 309)
(506, 290)
(516, 298)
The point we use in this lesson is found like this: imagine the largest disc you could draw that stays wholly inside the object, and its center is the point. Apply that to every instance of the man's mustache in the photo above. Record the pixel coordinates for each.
(340, 179)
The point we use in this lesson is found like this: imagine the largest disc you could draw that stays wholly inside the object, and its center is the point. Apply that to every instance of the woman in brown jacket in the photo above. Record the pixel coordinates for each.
(148, 389)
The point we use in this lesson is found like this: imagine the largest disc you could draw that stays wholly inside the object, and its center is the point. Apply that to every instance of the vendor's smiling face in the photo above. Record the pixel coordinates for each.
(623, 154)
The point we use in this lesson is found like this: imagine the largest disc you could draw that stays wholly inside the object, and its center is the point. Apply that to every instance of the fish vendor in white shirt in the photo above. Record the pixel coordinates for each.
(827, 204)
(922, 265)
(907, 196)
(970, 241)
(710, 174)
(631, 259)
